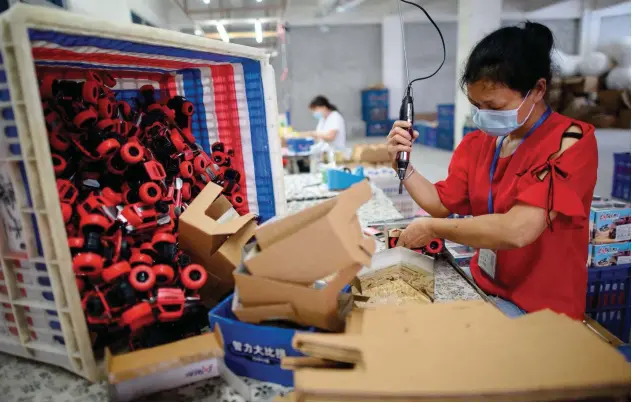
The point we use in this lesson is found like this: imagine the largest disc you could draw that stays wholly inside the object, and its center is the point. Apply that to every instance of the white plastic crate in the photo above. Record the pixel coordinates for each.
(233, 91)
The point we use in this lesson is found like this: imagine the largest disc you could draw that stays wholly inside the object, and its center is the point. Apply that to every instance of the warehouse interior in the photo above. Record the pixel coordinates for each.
(246, 92)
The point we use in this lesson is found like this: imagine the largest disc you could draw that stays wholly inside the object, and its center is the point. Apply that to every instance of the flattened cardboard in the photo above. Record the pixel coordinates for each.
(315, 242)
(262, 299)
(164, 367)
(472, 352)
(208, 221)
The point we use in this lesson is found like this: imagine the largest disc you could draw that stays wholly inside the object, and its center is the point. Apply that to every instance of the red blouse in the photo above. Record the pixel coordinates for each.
(550, 272)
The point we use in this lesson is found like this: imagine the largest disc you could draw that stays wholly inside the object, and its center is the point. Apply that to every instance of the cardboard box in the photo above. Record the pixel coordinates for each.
(461, 254)
(611, 254)
(169, 366)
(581, 84)
(609, 222)
(213, 234)
(417, 352)
(260, 299)
(314, 243)
(623, 120)
(427, 116)
(610, 100)
(255, 351)
(370, 153)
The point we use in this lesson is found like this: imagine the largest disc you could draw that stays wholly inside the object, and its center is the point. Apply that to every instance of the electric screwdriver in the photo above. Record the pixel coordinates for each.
(406, 113)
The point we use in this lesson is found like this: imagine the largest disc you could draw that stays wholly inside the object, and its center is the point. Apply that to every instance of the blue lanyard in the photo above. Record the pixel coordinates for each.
(492, 169)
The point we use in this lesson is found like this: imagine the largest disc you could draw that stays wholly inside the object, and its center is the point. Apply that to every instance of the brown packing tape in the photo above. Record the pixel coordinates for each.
(144, 362)
(320, 240)
(261, 297)
(539, 356)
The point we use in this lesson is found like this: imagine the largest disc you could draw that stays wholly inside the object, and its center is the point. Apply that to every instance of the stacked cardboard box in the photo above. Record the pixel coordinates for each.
(279, 277)
(585, 98)
(609, 224)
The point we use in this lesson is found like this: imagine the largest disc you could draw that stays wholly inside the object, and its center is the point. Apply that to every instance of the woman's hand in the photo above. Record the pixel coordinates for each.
(399, 139)
(417, 234)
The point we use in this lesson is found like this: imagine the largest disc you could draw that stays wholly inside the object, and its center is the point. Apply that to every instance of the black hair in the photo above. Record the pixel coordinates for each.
(322, 101)
(516, 57)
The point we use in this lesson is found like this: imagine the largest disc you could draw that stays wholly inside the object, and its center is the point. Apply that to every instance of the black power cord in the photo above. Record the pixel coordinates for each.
(440, 35)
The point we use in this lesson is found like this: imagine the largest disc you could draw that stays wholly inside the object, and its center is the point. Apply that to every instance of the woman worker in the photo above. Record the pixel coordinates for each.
(331, 124)
(527, 177)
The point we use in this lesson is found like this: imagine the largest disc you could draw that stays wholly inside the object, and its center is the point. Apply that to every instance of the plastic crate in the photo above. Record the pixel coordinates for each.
(445, 139)
(608, 299)
(233, 91)
(608, 287)
(375, 99)
(374, 113)
(621, 176)
(380, 128)
(445, 116)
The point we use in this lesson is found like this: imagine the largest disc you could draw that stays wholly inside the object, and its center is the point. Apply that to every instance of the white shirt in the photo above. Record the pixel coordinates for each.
(334, 121)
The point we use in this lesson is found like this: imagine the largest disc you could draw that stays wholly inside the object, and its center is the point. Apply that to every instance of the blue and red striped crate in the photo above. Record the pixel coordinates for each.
(227, 93)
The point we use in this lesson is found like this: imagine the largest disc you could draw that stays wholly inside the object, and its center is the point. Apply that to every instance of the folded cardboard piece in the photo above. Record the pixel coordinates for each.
(314, 243)
(460, 351)
(214, 234)
(164, 367)
(259, 299)
(278, 279)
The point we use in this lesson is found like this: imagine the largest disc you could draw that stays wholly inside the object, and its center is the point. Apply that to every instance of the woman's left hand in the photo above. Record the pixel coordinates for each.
(417, 234)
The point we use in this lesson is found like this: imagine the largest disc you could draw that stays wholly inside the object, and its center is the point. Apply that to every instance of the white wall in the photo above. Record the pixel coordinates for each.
(155, 11)
(111, 10)
(613, 28)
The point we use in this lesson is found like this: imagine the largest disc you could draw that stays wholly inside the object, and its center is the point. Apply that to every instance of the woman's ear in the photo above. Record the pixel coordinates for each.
(540, 90)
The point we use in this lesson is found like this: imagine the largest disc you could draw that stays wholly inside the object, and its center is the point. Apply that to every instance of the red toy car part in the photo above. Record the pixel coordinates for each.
(169, 303)
(116, 271)
(142, 278)
(193, 277)
(164, 274)
(138, 316)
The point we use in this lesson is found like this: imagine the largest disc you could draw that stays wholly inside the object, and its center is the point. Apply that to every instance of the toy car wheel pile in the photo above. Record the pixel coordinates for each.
(125, 173)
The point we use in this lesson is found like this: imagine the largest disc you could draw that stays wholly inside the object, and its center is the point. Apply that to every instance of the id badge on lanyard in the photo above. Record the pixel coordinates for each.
(487, 257)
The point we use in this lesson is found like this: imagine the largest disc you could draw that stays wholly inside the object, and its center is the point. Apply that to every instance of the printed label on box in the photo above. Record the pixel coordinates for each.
(266, 355)
(623, 232)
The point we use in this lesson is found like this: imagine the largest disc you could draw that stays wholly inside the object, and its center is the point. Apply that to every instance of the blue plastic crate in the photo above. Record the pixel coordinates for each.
(375, 98)
(376, 113)
(379, 128)
(255, 351)
(608, 287)
(445, 116)
(445, 139)
(426, 131)
(299, 144)
(621, 176)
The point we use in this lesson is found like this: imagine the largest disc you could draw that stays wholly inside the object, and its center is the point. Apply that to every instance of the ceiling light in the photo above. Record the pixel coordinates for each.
(199, 32)
(207, 1)
(258, 31)
(222, 32)
(259, 1)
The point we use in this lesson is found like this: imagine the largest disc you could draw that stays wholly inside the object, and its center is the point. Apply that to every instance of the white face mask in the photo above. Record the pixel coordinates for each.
(499, 123)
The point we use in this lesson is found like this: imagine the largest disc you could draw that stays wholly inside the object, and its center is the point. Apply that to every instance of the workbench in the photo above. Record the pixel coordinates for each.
(21, 379)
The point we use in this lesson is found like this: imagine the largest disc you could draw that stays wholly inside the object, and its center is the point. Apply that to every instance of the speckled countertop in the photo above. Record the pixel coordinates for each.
(23, 380)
